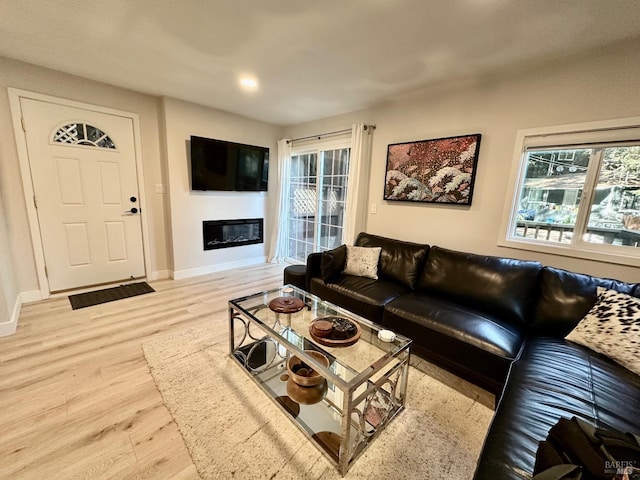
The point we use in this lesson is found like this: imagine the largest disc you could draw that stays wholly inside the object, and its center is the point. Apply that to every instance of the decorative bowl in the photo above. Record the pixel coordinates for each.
(322, 328)
(306, 395)
(286, 304)
(303, 374)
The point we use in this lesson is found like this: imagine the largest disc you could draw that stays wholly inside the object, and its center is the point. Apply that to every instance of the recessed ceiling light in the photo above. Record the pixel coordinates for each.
(249, 83)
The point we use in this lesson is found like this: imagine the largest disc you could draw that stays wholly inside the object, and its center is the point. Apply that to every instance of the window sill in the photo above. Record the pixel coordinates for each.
(629, 256)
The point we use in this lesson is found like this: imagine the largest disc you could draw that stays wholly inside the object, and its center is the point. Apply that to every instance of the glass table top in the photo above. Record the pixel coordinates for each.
(349, 365)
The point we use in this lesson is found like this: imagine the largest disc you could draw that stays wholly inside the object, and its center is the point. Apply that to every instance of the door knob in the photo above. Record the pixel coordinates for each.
(133, 210)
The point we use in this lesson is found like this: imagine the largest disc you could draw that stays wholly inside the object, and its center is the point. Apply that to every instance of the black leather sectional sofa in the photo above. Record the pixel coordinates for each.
(500, 323)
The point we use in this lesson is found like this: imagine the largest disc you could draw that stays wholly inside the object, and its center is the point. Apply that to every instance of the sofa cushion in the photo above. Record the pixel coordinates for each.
(565, 298)
(399, 261)
(461, 337)
(332, 263)
(504, 288)
(554, 378)
(360, 295)
(467, 325)
(362, 261)
(612, 327)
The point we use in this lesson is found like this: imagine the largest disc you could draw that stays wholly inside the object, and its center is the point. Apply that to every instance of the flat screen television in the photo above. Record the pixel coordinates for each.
(228, 166)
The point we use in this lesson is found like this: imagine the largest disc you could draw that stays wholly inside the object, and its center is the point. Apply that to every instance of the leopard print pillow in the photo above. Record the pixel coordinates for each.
(612, 328)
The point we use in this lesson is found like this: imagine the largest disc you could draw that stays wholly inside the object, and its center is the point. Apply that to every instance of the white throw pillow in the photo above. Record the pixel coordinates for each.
(362, 261)
(612, 327)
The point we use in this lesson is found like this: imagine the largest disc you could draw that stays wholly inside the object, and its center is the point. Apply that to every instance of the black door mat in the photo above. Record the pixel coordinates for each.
(88, 299)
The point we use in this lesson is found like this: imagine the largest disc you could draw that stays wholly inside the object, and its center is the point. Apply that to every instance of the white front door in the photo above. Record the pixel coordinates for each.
(83, 169)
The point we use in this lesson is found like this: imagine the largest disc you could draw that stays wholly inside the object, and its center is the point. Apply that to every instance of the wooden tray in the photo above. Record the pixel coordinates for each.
(330, 342)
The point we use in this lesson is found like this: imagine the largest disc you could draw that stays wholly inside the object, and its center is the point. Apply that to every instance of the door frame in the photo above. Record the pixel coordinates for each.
(15, 95)
(343, 141)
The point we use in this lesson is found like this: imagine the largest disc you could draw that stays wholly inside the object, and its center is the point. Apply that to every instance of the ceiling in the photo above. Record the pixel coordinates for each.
(312, 59)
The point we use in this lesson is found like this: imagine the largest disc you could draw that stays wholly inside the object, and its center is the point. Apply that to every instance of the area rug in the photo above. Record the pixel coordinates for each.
(82, 300)
(232, 430)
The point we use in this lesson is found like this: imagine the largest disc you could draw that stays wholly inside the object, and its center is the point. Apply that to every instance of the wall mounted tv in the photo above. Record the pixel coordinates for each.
(227, 166)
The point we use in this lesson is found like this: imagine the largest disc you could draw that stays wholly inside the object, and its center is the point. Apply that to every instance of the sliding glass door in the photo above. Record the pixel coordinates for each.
(316, 200)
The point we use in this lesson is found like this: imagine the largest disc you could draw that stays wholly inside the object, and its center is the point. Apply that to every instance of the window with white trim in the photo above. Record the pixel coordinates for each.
(577, 191)
(316, 198)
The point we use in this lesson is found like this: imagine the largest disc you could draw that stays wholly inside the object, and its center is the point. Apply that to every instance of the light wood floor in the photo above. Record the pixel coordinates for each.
(77, 400)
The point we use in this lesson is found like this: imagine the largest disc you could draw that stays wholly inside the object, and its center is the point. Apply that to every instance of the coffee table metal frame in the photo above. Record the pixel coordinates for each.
(366, 383)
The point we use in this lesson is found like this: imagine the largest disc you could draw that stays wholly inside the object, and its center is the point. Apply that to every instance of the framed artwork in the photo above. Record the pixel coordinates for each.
(441, 170)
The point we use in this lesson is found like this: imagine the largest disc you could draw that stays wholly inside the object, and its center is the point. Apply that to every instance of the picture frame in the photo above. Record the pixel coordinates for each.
(440, 170)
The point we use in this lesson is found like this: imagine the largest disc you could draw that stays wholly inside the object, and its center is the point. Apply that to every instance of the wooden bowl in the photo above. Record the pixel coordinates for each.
(322, 328)
(303, 374)
(306, 395)
(286, 304)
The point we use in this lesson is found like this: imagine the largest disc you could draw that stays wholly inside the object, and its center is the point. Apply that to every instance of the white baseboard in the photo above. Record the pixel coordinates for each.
(194, 272)
(9, 328)
(159, 275)
(32, 296)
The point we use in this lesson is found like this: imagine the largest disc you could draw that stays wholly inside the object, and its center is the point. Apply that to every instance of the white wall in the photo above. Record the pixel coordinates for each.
(190, 208)
(599, 86)
(165, 125)
(9, 294)
(41, 80)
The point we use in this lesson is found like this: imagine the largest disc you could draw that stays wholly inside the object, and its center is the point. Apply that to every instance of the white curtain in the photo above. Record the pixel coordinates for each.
(358, 184)
(277, 248)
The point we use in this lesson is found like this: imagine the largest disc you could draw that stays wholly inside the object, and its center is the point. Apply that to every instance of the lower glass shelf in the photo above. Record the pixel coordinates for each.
(317, 410)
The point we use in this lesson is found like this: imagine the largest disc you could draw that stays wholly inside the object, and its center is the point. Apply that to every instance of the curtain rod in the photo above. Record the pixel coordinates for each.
(328, 134)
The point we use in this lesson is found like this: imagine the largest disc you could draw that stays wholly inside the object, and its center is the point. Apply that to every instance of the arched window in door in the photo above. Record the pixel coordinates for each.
(83, 134)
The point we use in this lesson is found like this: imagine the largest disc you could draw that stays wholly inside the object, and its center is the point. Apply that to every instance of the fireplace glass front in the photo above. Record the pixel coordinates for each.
(232, 233)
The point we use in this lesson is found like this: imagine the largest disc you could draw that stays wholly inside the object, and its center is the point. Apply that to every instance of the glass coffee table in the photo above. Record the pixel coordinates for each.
(332, 372)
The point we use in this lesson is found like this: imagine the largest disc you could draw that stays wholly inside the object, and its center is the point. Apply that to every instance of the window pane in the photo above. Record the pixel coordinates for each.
(614, 217)
(294, 168)
(343, 162)
(312, 162)
(550, 194)
(93, 133)
(303, 200)
(328, 161)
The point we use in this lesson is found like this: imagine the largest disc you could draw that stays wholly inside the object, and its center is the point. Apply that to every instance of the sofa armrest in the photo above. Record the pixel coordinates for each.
(565, 298)
(314, 263)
